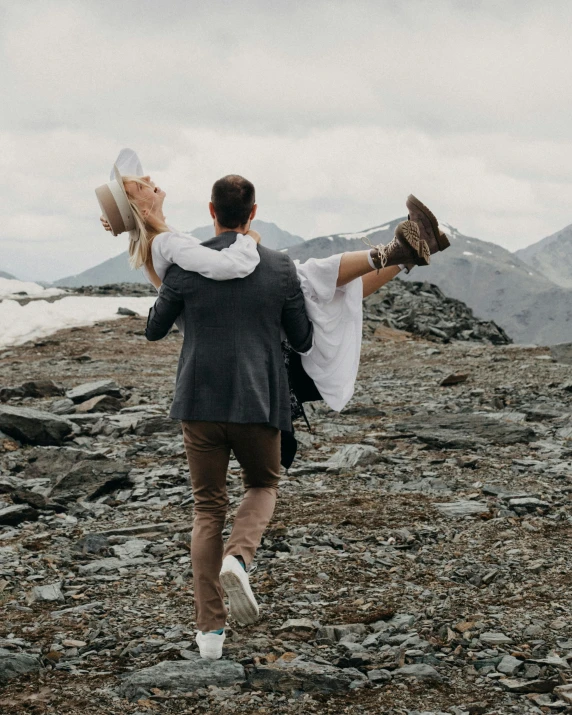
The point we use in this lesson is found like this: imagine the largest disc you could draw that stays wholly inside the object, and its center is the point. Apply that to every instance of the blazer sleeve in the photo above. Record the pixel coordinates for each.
(297, 326)
(167, 308)
(236, 261)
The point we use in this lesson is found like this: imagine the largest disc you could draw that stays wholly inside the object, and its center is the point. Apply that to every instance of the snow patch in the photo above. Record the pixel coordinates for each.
(363, 234)
(20, 323)
(12, 287)
(468, 253)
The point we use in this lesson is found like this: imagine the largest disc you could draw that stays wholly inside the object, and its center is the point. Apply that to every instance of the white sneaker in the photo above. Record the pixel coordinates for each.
(235, 582)
(210, 645)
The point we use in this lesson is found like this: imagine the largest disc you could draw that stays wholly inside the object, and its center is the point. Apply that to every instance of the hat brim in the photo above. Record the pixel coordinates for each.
(115, 206)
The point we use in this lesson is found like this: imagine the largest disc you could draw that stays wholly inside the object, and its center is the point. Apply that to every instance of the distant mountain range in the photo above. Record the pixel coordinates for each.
(495, 283)
(552, 256)
(528, 293)
(116, 270)
(3, 274)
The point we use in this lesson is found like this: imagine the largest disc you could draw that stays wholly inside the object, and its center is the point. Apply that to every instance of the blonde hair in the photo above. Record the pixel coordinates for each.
(148, 228)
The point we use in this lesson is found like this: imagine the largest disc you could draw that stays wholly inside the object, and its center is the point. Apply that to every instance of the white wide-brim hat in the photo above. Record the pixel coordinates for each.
(113, 199)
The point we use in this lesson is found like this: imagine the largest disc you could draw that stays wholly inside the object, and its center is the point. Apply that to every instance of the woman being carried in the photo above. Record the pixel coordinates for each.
(333, 287)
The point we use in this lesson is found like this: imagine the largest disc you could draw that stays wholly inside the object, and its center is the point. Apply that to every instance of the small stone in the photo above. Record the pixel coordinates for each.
(557, 624)
(454, 379)
(71, 643)
(126, 311)
(379, 676)
(50, 593)
(101, 403)
(347, 629)
(462, 508)
(509, 665)
(298, 624)
(131, 549)
(495, 639)
(420, 671)
(354, 455)
(564, 692)
(84, 392)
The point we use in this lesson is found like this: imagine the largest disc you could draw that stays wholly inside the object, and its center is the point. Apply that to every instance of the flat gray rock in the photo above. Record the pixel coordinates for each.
(354, 455)
(519, 685)
(182, 676)
(131, 549)
(509, 665)
(298, 624)
(14, 664)
(92, 477)
(17, 513)
(457, 509)
(494, 639)
(472, 428)
(528, 503)
(306, 676)
(50, 593)
(420, 671)
(84, 392)
(34, 426)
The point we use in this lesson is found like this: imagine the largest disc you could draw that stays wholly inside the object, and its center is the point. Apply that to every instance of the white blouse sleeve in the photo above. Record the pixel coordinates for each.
(236, 261)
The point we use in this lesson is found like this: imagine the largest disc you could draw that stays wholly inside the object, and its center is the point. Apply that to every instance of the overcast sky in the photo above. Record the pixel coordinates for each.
(335, 110)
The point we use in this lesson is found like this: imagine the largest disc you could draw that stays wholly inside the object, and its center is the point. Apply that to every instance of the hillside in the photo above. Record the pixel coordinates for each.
(116, 270)
(552, 256)
(495, 283)
(3, 274)
(418, 560)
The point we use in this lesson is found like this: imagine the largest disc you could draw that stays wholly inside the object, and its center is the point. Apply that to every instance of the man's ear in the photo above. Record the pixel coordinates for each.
(211, 210)
(253, 212)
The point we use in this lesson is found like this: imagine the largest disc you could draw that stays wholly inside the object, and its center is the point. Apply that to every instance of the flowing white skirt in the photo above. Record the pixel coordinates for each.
(336, 314)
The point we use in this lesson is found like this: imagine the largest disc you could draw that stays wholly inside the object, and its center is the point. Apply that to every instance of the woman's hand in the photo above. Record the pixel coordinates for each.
(105, 224)
(254, 235)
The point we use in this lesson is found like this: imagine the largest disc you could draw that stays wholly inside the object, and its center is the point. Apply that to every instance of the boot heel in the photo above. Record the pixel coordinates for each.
(443, 242)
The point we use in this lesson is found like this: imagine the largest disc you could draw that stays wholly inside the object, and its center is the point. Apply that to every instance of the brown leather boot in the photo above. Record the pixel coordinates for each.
(407, 248)
(428, 225)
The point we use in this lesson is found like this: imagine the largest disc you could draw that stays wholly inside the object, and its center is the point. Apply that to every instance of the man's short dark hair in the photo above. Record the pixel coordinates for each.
(233, 199)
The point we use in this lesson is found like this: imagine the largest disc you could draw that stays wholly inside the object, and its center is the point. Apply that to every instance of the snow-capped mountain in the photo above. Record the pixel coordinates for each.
(495, 283)
(552, 256)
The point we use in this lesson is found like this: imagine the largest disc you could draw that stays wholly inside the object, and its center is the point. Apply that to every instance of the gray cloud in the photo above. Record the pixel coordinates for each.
(336, 110)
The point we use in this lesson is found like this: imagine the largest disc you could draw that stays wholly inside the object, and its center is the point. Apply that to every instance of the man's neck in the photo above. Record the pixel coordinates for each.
(224, 229)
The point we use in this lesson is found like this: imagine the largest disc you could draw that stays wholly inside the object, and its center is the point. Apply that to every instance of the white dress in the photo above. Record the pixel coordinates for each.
(336, 313)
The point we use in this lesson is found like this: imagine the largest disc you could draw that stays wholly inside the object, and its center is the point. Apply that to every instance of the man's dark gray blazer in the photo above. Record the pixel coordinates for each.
(231, 367)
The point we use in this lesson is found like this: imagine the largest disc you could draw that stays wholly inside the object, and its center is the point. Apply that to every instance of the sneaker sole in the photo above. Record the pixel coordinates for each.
(240, 605)
(442, 240)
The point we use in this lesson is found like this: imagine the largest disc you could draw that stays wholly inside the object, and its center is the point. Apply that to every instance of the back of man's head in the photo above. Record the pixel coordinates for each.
(233, 200)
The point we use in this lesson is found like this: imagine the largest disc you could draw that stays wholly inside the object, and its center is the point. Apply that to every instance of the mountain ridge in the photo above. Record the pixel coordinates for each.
(552, 256)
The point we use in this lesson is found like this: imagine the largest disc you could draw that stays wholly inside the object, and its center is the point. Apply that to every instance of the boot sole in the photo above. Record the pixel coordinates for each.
(408, 232)
(442, 240)
(240, 605)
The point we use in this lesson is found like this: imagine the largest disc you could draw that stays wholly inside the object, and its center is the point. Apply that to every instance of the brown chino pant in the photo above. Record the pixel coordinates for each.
(208, 446)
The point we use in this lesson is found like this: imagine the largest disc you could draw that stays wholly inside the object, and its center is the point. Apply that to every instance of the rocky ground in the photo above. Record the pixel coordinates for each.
(418, 561)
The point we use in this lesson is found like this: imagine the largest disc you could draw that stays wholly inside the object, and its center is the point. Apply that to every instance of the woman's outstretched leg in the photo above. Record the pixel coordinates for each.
(374, 281)
(354, 264)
